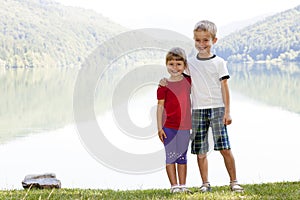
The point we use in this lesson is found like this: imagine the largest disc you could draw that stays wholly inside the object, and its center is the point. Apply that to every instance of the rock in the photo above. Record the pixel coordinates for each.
(41, 181)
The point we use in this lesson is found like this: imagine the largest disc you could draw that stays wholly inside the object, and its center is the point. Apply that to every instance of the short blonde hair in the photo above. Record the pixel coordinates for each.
(206, 25)
(176, 53)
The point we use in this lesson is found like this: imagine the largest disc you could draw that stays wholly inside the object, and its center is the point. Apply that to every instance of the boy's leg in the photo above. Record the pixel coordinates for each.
(221, 140)
(200, 144)
(222, 144)
(171, 172)
(230, 166)
(203, 167)
(229, 163)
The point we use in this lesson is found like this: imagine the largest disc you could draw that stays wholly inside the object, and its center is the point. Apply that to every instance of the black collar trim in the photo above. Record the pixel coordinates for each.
(206, 58)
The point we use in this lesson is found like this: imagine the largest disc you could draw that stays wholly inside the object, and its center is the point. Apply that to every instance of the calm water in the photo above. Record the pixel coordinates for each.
(37, 133)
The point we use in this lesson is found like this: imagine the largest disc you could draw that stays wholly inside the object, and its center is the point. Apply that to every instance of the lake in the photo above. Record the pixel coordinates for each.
(38, 133)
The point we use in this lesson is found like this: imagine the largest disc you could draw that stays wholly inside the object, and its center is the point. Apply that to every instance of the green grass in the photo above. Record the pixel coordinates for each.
(282, 190)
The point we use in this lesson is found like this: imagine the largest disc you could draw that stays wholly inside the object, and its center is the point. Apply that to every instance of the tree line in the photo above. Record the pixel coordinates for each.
(43, 33)
(276, 38)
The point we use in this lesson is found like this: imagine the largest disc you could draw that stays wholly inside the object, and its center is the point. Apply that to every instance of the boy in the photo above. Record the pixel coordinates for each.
(211, 104)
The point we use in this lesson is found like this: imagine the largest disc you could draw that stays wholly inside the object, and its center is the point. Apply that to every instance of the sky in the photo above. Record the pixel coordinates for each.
(180, 16)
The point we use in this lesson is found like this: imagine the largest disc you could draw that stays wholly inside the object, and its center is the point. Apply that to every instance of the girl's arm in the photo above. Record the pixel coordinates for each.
(159, 119)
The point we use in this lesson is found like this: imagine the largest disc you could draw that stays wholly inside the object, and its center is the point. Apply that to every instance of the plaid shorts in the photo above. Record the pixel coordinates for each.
(202, 119)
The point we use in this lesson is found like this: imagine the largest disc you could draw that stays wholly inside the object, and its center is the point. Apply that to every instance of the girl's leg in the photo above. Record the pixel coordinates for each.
(170, 148)
(182, 171)
(182, 141)
(171, 172)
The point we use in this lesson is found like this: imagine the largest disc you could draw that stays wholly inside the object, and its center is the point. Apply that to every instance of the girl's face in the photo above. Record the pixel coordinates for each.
(175, 67)
(203, 43)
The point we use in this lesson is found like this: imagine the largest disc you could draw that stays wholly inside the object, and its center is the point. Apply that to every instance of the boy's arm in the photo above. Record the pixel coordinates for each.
(159, 118)
(187, 71)
(226, 99)
(163, 82)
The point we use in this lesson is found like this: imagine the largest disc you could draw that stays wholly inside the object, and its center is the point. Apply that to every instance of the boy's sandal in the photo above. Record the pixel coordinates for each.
(205, 188)
(236, 188)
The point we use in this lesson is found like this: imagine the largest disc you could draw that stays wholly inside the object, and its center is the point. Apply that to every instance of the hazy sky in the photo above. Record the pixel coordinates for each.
(181, 16)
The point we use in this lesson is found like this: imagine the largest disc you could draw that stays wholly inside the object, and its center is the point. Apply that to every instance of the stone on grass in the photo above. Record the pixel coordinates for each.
(41, 181)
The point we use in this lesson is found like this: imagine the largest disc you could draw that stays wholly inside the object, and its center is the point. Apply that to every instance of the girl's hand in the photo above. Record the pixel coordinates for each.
(162, 135)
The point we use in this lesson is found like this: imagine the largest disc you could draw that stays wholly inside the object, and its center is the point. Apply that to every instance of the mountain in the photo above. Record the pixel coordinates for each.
(238, 25)
(276, 38)
(43, 33)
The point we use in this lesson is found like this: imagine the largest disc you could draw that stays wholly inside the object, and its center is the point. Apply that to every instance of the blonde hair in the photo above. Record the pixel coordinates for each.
(206, 25)
(176, 53)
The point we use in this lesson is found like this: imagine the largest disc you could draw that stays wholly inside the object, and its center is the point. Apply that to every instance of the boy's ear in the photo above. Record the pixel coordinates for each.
(215, 40)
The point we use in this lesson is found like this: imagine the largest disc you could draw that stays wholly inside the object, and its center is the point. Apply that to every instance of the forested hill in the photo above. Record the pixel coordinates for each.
(277, 38)
(43, 33)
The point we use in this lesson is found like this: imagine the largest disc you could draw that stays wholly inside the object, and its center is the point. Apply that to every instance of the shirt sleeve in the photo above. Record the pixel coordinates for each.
(161, 92)
(223, 71)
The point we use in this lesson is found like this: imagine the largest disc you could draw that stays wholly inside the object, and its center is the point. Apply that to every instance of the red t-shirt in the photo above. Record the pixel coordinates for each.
(177, 112)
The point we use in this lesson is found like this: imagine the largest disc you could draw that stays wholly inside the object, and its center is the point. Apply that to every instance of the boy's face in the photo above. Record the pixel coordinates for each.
(203, 43)
(175, 67)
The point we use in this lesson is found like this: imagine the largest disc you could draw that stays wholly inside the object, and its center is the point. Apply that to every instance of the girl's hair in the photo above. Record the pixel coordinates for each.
(206, 25)
(176, 53)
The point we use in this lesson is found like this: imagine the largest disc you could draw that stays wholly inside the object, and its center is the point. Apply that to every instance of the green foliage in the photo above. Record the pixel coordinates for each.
(42, 33)
(282, 190)
(276, 38)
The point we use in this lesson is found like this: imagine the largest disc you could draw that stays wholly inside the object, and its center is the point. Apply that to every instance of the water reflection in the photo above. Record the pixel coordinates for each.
(274, 84)
(33, 100)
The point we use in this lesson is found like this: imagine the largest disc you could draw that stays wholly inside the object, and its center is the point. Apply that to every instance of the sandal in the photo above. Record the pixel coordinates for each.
(185, 190)
(175, 189)
(205, 188)
(235, 187)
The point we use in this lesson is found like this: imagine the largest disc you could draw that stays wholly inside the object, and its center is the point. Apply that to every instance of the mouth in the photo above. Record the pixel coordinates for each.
(202, 48)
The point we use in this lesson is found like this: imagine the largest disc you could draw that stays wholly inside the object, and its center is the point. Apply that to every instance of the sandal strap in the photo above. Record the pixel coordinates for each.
(236, 187)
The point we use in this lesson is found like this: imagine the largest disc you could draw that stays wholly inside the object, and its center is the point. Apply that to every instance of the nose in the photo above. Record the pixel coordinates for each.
(200, 43)
(175, 66)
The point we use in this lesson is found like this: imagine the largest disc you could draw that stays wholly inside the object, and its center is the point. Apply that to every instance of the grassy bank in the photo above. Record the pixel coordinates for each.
(282, 190)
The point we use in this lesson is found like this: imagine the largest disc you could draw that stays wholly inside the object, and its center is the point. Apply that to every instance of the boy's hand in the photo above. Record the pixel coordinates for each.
(162, 135)
(227, 119)
(163, 82)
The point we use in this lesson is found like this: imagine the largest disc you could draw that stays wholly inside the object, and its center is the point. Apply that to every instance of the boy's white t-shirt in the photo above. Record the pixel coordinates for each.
(206, 77)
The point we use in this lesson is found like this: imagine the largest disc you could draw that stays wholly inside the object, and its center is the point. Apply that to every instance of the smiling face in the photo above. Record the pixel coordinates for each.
(203, 43)
(175, 68)
(176, 63)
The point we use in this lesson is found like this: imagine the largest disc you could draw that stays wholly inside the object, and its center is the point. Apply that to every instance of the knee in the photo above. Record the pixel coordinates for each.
(201, 156)
(226, 153)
